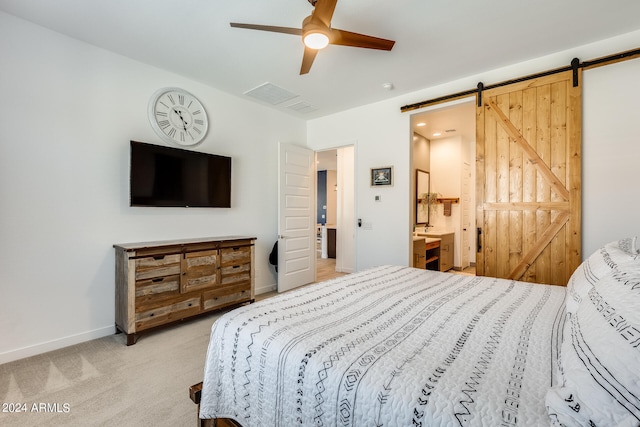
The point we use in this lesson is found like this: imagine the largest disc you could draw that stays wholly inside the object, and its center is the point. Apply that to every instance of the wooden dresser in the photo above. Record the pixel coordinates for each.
(158, 283)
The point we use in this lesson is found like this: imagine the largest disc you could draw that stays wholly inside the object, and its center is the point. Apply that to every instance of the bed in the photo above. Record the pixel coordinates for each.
(399, 346)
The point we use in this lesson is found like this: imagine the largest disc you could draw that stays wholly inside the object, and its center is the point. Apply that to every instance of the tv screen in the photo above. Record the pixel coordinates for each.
(172, 177)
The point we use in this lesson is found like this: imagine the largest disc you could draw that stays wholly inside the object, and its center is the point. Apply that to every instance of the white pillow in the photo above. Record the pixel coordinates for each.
(599, 264)
(600, 358)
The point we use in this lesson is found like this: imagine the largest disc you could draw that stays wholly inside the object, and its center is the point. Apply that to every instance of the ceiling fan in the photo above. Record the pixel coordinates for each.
(317, 33)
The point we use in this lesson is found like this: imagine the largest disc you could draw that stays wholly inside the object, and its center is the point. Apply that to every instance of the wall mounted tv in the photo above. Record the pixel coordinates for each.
(172, 177)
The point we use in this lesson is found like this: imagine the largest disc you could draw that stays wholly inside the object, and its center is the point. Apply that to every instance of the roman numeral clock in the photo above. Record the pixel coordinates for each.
(178, 117)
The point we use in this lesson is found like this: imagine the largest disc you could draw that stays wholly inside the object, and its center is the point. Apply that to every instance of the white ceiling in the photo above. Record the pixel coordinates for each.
(445, 122)
(436, 41)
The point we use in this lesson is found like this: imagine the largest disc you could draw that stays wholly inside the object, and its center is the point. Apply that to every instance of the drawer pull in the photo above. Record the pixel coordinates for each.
(236, 266)
(157, 279)
(158, 257)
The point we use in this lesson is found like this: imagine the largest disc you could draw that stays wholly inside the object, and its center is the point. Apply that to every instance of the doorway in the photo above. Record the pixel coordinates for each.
(335, 204)
(443, 144)
(297, 226)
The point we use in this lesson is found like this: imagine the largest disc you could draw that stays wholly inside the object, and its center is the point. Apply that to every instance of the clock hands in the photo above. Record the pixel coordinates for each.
(184, 123)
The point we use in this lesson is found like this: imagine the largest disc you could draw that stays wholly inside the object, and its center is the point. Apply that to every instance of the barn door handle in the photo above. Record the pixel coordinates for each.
(478, 240)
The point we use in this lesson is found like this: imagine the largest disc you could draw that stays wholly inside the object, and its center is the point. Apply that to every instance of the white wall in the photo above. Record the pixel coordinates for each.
(611, 154)
(67, 114)
(382, 135)
(446, 163)
(609, 165)
(446, 180)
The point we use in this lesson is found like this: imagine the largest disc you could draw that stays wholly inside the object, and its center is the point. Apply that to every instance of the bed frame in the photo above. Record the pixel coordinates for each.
(195, 393)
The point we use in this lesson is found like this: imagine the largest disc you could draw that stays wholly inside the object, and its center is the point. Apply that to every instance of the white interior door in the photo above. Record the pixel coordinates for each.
(296, 217)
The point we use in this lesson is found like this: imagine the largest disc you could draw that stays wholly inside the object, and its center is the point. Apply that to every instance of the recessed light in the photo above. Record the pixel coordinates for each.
(421, 124)
(387, 86)
(437, 134)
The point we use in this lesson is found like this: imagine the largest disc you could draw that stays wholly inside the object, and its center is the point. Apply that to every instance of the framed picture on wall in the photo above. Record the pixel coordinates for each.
(382, 176)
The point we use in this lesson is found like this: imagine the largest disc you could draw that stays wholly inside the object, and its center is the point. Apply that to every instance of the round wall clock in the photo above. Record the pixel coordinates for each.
(177, 116)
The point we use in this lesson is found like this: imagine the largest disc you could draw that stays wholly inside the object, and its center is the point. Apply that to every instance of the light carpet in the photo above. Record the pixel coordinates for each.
(105, 383)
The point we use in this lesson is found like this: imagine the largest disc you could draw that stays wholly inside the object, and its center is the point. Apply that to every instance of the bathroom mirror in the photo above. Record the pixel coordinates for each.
(422, 197)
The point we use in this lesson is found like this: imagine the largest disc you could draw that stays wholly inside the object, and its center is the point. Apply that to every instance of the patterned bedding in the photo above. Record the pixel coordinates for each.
(389, 346)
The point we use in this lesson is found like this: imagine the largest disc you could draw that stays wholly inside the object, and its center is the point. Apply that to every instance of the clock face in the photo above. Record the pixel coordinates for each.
(178, 117)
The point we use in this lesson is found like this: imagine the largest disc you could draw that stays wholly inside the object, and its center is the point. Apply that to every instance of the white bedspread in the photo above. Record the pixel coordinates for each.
(390, 346)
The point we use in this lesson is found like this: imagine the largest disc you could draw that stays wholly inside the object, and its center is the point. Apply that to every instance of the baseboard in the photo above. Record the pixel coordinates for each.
(45, 347)
(471, 264)
(264, 289)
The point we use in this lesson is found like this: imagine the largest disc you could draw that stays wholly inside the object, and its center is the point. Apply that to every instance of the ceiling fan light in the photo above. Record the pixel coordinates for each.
(316, 40)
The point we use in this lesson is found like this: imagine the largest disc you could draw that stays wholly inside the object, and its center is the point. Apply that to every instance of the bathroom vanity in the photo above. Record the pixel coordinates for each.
(430, 244)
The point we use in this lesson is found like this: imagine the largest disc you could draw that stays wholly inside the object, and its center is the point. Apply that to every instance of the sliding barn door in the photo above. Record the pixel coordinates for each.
(528, 180)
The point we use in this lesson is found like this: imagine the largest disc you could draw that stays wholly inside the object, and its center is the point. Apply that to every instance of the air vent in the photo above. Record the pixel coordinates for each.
(270, 93)
(302, 107)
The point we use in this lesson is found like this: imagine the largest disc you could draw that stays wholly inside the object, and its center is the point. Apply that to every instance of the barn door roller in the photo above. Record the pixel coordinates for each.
(575, 64)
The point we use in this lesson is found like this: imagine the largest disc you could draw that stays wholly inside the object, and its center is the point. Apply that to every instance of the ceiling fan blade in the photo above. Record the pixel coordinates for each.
(271, 28)
(324, 11)
(347, 38)
(307, 60)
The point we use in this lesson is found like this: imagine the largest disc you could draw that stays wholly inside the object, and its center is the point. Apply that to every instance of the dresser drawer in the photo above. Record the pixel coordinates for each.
(167, 311)
(157, 266)
(235, 256)
(226, 295)
(235, 274)
(159, 287)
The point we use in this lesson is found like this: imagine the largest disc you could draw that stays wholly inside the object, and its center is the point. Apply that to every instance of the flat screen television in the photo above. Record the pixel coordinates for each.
(173, 177)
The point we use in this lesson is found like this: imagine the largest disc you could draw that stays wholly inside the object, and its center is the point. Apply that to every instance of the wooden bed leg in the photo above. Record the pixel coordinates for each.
(195, 394)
